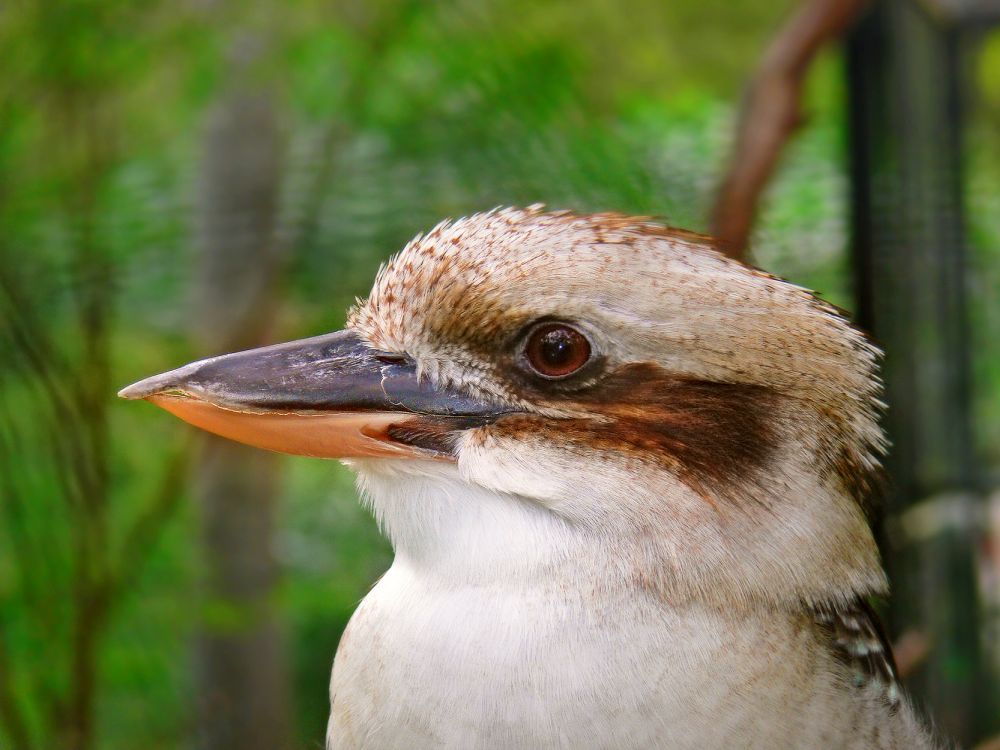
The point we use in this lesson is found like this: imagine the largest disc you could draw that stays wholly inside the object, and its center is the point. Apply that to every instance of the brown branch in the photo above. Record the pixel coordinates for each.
(771, 113)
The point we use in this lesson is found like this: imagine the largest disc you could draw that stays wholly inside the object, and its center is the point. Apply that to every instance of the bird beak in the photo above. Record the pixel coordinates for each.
(329, 396)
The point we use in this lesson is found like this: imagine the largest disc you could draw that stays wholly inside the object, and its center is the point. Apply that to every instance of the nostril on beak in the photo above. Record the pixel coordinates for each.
(391, 358)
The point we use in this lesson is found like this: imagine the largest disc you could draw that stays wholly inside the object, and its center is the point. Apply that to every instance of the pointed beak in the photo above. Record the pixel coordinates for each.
(329, 396)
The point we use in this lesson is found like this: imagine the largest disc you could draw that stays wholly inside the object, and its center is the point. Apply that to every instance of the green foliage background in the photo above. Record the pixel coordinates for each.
(395, 115)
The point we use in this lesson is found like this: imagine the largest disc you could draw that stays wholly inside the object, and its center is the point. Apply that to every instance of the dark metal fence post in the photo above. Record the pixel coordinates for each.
(908, 244)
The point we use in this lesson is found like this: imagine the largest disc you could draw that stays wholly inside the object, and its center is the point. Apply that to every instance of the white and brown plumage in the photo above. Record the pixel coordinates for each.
(625, 480)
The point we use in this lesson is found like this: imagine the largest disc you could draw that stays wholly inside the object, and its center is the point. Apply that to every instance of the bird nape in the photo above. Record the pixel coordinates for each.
(626, 480)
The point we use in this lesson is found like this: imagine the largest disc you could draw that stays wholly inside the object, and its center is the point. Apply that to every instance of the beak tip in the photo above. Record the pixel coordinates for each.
(149, 387)
(156, 384)
(136, 391)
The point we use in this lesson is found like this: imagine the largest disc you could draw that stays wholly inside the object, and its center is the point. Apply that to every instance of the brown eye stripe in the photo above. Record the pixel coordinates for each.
(716, 435)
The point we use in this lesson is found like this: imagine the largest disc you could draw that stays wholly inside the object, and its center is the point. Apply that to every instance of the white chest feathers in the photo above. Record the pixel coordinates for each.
(526, 646)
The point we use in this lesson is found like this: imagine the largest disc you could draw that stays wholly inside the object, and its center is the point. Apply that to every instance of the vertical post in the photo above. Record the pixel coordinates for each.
(243, 698)
(908, 251)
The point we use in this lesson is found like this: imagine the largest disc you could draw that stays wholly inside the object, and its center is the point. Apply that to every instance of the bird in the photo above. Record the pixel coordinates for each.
(628, 482)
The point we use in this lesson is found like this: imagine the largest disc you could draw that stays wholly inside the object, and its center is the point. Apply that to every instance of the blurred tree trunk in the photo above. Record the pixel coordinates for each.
(243, 681)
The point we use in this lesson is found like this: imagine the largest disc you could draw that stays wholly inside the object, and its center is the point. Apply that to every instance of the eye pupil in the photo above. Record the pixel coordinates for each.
(556, 350)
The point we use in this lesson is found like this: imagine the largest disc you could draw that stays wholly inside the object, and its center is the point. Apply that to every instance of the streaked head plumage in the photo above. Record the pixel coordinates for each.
(681, 336)
(712, 424)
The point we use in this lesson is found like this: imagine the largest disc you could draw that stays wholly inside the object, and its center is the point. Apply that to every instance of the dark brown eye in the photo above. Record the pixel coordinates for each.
(555, 350)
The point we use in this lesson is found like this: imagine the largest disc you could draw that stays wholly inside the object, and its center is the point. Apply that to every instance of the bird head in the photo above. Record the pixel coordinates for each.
(712, 427)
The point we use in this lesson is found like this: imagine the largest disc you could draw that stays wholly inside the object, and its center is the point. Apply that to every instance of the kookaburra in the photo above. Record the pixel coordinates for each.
(626, 482)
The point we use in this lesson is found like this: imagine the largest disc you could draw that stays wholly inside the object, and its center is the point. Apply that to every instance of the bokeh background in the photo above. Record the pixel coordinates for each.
(185, 178)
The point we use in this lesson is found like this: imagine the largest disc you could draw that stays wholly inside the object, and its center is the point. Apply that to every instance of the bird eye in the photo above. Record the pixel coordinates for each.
(555, 350)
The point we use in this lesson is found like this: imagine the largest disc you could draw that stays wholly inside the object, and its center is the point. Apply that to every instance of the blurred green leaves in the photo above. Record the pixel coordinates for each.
(397, 114)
